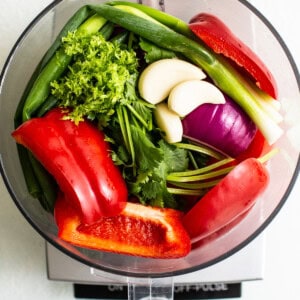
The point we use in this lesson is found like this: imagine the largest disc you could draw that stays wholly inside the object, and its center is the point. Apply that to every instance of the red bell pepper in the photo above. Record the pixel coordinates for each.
(258, 147)
(228, 200)
(222, 231)
(78, 158)
(213, 32)
(138, 230)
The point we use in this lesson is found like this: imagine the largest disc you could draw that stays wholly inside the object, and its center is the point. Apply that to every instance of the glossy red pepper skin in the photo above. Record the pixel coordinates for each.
(138, 230)
(235, 194)
(215, 34)
(258, 147)
(222, 231)
(78, 158)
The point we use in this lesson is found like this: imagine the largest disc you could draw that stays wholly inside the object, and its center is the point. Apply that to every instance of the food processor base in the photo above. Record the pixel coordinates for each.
(219, 281)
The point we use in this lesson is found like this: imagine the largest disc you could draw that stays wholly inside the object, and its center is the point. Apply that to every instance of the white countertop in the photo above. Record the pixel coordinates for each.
(22, 251)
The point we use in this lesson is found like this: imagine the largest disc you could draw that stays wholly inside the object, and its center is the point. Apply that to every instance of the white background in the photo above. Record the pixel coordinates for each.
(22, 250)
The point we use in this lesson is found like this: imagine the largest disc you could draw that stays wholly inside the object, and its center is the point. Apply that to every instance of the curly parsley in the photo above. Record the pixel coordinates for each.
(100, 76)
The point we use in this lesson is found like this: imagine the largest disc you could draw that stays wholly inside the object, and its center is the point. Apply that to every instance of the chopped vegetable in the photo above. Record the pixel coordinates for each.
(233, 196)
(158, 79)
(78, 158)
(188, 95)
(137, 230)
(223, 126)
(221, 39)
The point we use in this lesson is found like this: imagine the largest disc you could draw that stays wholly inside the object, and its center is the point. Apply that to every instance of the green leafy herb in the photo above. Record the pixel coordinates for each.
(155, 163)
(100, 77)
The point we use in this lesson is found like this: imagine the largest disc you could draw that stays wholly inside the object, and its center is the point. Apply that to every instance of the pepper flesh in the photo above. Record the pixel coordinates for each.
(229, 199)
(138, 230)
(215, 34)
(78, 158)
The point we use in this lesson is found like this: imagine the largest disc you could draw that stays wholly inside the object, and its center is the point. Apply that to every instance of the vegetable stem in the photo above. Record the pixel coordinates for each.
(126, 132)
(205, 176)
(122, 127)
(204, 169)
(268, 156)
(201, 149)
(198, 185)
(129, 136)
(137, 115)
(186, 192)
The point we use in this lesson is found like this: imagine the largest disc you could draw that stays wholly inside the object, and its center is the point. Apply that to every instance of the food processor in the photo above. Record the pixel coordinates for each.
(146, 277)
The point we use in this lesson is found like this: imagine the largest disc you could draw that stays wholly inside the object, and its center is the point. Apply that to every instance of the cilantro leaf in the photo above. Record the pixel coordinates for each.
(155, 163)
(175, 159)
(148, 156)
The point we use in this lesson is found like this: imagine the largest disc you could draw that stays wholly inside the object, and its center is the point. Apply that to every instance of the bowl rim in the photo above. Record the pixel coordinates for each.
(211, 262)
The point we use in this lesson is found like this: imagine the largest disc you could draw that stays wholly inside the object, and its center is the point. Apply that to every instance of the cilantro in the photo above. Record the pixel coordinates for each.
(155, 163)
(148, 155)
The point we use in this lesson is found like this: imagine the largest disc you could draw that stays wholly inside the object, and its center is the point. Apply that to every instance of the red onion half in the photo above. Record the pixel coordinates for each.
(225, 127)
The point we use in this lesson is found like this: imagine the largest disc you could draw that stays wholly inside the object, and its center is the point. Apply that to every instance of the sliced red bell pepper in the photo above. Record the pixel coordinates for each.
(222, 231)
(228, 200)
(78, 158)
(258, 147)
(138, 230)
(213, 32)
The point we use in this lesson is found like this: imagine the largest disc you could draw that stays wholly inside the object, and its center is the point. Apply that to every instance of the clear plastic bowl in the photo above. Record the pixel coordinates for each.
(251, 27)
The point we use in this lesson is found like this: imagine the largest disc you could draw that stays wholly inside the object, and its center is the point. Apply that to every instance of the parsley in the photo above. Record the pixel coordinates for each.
(99, 78)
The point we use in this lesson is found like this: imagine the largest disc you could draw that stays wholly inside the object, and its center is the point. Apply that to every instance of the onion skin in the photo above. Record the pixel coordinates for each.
(225, 127)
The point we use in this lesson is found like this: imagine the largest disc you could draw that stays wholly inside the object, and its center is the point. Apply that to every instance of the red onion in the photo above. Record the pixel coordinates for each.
(225, 127)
